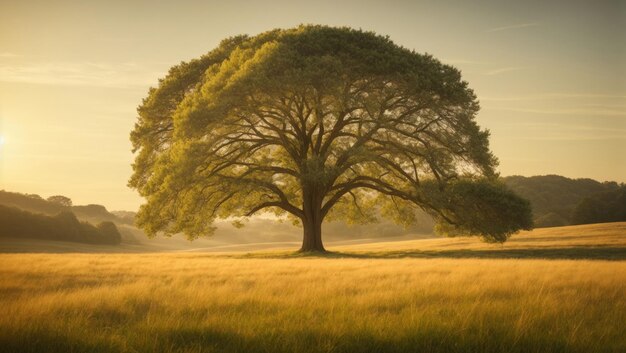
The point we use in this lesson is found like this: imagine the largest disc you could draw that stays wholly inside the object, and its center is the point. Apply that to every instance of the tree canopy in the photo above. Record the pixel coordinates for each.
(317, 123)
(60, 200)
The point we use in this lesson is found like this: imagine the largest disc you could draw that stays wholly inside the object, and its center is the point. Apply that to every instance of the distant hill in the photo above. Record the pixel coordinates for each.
(91, 213)
(34, 203)
(554, 198)
(30, 202)
(16, 223)
(127, 217)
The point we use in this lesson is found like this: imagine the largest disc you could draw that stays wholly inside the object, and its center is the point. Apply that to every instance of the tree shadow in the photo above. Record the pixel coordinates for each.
(562, 253)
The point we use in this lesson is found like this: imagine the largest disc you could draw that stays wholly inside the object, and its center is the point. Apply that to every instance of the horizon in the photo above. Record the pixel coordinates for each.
(550, 79)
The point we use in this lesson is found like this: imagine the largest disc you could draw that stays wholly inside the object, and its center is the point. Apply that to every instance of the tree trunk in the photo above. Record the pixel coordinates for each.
(312, 222)
(312, 239)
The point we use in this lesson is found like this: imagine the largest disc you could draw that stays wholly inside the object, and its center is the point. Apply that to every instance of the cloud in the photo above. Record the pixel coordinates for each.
(541, 125)
(556, 96)
(570, 137)
(566, 111)
(503, 70)
(553, 131)
(122, 75)
(506, 28)
(568, 104)
(564, 134)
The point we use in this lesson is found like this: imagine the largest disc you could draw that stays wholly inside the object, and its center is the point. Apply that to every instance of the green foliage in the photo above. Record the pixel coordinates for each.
(60, 200)
(310, 122)
(479, 207)
(64, 226)
(608, 206)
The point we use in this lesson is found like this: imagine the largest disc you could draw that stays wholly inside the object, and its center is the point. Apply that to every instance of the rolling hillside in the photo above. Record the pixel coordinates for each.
(554, 198)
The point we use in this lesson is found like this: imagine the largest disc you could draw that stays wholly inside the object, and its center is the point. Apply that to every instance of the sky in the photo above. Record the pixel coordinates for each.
(550, 77)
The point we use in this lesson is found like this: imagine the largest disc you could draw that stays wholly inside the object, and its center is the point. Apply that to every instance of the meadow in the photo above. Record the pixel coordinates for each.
(549, 290)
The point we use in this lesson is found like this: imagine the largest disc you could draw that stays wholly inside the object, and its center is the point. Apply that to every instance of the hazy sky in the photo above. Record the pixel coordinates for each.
(550, 76)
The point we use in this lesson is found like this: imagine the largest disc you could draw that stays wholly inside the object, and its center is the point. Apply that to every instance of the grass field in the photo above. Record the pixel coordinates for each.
(550, 290)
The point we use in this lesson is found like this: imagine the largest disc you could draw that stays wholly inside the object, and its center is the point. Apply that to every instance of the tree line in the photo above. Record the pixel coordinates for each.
(559, 201)
(64, 226)
(609, 206)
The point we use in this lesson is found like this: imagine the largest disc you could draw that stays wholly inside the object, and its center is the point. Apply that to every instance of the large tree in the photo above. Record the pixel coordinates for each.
(316, 123)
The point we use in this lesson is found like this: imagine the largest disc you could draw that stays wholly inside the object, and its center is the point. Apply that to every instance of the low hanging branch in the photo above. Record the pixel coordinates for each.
(316, 122)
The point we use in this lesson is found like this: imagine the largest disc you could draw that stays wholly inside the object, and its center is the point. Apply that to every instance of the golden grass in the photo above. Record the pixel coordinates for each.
(591, 241)
(587, 235)
(193, 302)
